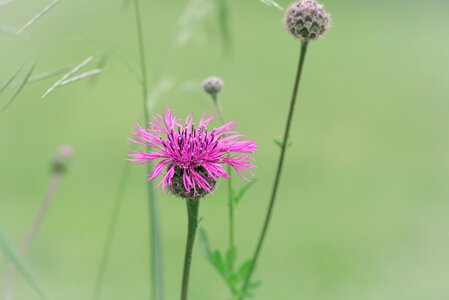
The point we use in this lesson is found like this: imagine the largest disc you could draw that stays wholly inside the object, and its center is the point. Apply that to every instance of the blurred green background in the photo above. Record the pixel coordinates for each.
(363, 209)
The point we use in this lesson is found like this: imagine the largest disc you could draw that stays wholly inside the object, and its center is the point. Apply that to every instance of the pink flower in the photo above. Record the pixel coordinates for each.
(192, 156)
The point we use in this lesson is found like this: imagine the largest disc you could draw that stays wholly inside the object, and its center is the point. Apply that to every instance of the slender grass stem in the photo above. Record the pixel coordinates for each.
(156, 260)
(32, 232)
(230, 200)
(269, 213)
(111, 231)
(192, 224)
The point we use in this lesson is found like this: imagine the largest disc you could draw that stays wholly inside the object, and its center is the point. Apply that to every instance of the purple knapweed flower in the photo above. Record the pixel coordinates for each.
(191, 156)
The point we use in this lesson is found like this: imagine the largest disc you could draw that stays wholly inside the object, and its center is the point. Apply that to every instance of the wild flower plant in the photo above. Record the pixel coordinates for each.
(193, 159)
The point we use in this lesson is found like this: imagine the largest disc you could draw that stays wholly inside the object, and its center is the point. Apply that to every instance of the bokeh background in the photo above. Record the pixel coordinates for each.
(363, 209)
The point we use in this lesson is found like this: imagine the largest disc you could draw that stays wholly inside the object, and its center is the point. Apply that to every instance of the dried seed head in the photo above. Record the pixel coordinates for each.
(307, 20)
(178, 189)
(213, 85)
(61, 158)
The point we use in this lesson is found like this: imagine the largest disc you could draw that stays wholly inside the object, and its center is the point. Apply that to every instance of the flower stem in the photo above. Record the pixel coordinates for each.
(230, 200)
(192, 224)
(26, 243)
(156, 259)
(269, 213)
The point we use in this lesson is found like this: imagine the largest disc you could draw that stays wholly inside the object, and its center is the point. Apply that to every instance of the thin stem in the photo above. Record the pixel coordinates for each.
(230, 200)
(27, 241)
(192, 224)
(279, 169)
(156, 260)
(111, 230)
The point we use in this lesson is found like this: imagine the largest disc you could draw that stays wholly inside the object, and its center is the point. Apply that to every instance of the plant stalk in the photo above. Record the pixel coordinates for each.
(10, 277)
(269, 213)
(111, 231)
(156, 259)
(192, 224)
(228, 169)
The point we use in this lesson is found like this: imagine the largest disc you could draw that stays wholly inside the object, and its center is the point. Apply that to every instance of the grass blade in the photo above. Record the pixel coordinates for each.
(68, 74)
(111, 231)
(4, 2)
(272, 3)
(19, 89)
(223, 18)
(7, 250)
(10, 80)
(81, 77)
(5, 29)
(51, 73)
(38, 16)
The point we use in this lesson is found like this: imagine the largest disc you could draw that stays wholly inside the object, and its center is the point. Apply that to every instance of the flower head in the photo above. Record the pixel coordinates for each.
(213, 85)
(61, 158)
(307, 19)
(191, 156)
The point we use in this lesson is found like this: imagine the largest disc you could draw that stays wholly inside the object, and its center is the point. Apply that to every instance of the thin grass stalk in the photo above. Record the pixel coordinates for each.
(21, 267)
(269, 213)
(106, 253)
(27, 241)
(156, 259)
(229, 181)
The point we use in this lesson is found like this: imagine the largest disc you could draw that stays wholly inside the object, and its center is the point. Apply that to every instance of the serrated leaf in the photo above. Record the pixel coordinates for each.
(238, 195)
(214, 257)
(244, 268)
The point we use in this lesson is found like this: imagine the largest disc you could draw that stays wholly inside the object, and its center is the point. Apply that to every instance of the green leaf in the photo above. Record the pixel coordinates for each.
(214, 257)
(68, 75)
(280, 143)
(38, 16)
(238, 195)
(10, 80)
(19, 89)
(18, 263)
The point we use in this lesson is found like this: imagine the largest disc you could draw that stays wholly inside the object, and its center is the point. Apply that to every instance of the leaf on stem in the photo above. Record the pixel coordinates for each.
(238, 195)
(280, 143)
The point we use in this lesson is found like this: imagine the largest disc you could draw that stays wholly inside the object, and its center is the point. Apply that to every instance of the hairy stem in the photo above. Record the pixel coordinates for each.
(27, 241)
(156, 260)
(269, 213)
(192, 224)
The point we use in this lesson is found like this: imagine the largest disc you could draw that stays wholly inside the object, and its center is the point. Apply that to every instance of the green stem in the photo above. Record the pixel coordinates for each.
(31, 235)
(302, 57)
(192, 224)
(111, 231)
(156, 259)
(230, 200)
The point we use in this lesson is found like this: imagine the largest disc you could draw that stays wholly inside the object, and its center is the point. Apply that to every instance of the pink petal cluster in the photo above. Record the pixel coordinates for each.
(199, 154)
